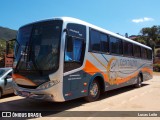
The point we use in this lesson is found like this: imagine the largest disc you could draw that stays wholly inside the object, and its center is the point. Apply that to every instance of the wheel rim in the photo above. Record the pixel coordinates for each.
(94, 90)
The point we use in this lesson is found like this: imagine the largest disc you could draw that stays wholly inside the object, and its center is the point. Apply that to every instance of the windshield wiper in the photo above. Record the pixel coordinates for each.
(23, 52)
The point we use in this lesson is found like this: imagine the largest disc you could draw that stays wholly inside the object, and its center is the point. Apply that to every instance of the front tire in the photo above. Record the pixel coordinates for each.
(139, 82)
(94, 91)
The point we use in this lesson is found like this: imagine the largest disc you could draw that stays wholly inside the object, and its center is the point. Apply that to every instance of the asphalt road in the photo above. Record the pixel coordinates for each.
(146, 98)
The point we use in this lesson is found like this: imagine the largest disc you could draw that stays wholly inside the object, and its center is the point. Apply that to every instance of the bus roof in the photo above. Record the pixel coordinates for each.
(74, 20)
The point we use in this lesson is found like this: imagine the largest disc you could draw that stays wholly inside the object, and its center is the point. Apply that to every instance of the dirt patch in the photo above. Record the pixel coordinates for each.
(156, 73)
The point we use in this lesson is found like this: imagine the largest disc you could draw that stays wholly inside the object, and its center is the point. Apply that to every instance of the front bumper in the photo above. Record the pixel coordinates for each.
(45, 94)
(34, 96)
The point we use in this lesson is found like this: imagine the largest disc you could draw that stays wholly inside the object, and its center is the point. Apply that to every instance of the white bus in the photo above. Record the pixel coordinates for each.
(65, 58)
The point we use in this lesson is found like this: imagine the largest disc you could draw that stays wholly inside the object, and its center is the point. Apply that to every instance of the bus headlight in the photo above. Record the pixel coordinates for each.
(48, 84)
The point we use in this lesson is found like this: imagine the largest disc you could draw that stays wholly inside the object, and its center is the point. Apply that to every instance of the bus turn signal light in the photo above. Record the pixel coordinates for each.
(85, 84)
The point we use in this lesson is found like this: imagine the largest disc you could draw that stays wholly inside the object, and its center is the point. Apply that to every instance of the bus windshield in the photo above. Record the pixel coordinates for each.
(38, 46)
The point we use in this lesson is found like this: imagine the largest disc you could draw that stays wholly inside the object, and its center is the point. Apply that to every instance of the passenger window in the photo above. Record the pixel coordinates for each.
(144, 53)
(75, 58)
(75, 55)
(116, 45)
(98, 41)
(127, 49)
(137, 51)
(104, 42)
(94, 40)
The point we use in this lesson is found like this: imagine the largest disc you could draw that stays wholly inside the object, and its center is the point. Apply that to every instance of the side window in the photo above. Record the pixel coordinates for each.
(144, 53)
(99, 42)
(94, 40)
(137, 51)
(116, 45)
(149, 54)
(74, 59)
(127, 49)
(75, 55)
(104, 42)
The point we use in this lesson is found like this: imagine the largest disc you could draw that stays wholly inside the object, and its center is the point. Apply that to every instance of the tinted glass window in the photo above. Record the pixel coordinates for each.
(99, 41)
(94, 40)
(104, 42)
(40, 45)
(137, 51)
(144, 53)
(127, 49)
(149, 54)
(74, 59)
(116, 45)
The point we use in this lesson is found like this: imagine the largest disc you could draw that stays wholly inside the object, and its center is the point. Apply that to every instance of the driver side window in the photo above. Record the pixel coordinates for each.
(75, 55)
(74, 59)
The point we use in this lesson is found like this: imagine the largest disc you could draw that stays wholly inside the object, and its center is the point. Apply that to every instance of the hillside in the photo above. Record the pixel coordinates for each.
(7, 34)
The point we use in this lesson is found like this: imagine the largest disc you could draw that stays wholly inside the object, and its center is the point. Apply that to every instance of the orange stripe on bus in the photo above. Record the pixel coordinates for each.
(123, 80)
(20, 77)
(146, 69)
(90, 68)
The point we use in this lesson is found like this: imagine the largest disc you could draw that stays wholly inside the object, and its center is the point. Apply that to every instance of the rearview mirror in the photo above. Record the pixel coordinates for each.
(69, 44)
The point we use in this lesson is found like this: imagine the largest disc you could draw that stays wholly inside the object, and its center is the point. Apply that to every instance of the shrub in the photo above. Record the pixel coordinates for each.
(156, 67)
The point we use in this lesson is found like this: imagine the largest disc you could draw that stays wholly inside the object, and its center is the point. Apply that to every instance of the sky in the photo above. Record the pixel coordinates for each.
(118, 16)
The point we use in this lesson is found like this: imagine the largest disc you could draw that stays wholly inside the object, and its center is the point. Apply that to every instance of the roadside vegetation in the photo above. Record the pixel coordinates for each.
(150, 36)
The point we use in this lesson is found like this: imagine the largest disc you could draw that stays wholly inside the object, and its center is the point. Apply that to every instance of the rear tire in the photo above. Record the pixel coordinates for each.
(139, 81)
(94, 91)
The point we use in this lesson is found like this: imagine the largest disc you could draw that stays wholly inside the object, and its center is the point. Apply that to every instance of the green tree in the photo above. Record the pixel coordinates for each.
(151, 36)
(141, 39)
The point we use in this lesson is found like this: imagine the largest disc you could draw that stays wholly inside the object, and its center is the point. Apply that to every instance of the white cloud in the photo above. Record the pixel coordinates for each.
(145, 19)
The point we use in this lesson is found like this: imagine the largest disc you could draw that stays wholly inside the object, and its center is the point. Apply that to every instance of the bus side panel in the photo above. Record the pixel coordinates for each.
(147, 70)
(75, 85)
(117, 71)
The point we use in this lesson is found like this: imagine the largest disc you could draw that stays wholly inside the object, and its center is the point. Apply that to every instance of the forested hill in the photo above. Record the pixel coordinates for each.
(7, 34)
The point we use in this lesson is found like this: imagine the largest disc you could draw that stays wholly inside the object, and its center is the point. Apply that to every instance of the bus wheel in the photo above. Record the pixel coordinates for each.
(94, 91)
(139, 82)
